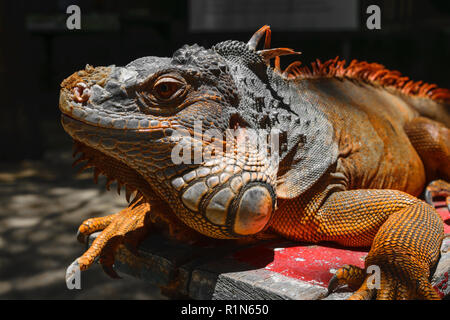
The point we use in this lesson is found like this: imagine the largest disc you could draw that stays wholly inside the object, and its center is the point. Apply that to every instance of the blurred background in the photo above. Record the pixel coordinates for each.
(43, 200)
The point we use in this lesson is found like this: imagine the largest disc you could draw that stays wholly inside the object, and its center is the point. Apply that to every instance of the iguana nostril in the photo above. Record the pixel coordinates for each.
(254, 211)
(81, 92)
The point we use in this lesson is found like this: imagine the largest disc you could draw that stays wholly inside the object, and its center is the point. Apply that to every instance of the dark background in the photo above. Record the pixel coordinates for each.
(42, 200)
(415, 39)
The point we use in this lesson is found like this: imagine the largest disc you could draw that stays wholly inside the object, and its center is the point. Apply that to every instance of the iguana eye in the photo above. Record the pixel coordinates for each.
(167, 88)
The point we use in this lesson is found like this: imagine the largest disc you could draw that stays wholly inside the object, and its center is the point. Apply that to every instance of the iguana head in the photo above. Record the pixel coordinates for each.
(188, 125)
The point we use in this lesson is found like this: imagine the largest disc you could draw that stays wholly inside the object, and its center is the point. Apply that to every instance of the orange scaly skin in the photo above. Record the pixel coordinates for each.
(371, 141)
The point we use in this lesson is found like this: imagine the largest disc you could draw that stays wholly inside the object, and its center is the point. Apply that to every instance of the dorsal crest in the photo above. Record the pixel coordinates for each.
(371, 73)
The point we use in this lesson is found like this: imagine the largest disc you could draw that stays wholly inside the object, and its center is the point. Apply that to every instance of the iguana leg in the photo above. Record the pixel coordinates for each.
(129, 226)
(431, 139)
(404, 233)
(404, 248)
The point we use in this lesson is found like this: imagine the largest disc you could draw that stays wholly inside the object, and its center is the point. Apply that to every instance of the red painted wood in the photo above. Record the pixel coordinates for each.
(442, 209)
(308, 263)
(312, 263)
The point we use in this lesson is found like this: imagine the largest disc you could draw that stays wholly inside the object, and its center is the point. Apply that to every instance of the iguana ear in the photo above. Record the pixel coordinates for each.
(311, 148)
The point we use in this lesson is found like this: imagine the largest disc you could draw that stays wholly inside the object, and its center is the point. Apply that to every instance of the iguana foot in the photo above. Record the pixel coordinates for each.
(398, 283)
(438, 189)
(391, 283)
(127, 227)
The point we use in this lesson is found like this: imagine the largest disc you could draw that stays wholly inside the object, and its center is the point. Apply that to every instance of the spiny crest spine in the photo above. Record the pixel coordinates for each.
(372, 73)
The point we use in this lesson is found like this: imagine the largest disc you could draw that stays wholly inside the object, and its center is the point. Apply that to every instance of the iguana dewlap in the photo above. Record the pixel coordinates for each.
(350, 150)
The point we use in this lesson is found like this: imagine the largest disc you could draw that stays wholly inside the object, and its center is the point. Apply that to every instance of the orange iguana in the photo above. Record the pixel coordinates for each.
(356, 145)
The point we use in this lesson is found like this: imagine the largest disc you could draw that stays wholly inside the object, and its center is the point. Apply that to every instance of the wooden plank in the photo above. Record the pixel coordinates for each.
(263, 284)
(440, 280)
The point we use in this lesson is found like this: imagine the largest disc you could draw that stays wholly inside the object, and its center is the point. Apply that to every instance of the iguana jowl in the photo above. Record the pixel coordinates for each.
(357, 145)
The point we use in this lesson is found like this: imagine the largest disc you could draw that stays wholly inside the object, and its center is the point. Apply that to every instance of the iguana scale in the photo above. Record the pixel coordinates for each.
(356, 146)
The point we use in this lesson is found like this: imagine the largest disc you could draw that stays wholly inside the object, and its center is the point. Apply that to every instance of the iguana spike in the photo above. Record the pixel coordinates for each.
(443, 94)
(277, 66)
(426, 88)
(109, 181)
(254, 40)
(268, 38)
(79, 160)
(96, 174)
(268, 54)
(291, 67)
(128, 192)
(76, 149)
(86, 166)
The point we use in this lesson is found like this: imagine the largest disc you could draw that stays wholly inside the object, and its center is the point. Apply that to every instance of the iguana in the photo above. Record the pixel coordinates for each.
(357, 144)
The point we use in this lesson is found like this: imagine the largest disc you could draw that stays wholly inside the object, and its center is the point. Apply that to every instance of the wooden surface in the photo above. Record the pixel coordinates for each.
(270, 269)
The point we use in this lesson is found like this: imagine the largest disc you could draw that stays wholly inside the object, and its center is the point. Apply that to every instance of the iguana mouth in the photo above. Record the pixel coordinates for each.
(76, 106)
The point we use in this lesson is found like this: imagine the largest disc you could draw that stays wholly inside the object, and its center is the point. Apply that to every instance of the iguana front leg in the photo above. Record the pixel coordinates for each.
(404, 233)
(129, 226)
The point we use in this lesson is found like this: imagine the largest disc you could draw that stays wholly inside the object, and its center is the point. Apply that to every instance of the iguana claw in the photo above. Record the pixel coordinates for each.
(81, 237)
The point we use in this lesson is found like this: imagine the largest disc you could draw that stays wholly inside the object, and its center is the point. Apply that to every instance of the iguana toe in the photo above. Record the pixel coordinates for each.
(349, 275)
(92, 225)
